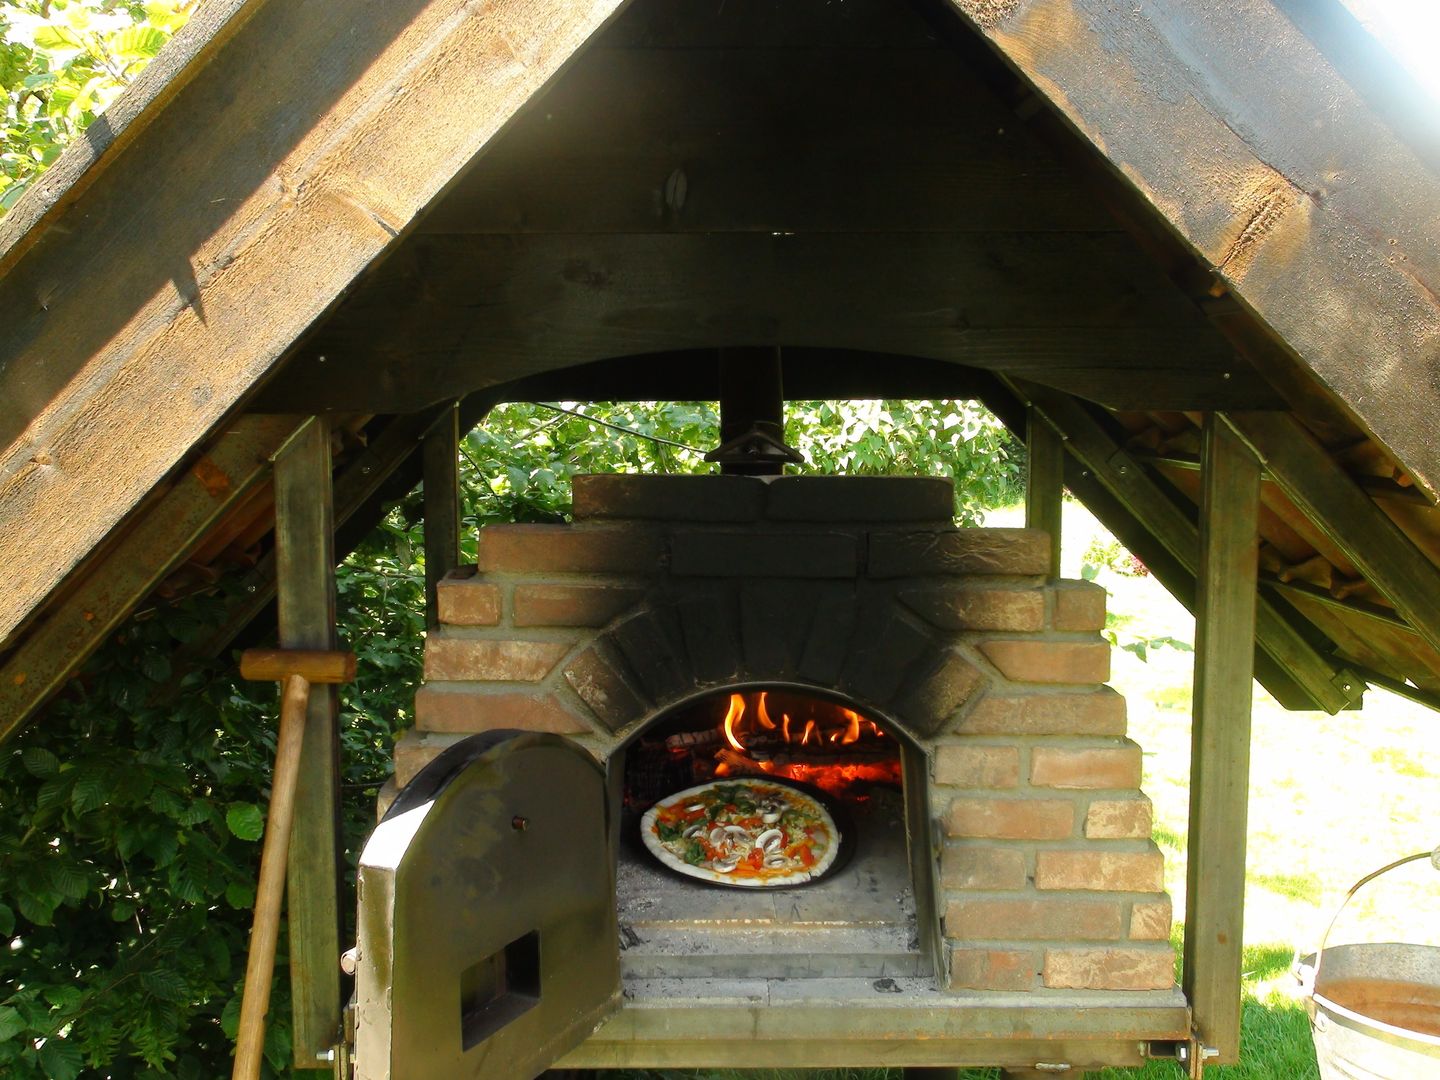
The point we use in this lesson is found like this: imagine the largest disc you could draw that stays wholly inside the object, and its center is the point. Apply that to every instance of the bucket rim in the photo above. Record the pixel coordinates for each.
(1389, 1033)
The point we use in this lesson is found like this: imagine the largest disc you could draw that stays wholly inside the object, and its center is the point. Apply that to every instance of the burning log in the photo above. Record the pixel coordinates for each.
(694, 740)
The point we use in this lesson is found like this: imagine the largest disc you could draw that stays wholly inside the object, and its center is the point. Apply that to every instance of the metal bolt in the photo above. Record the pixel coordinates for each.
(349, 960)
(519, 824)
(326, 1055)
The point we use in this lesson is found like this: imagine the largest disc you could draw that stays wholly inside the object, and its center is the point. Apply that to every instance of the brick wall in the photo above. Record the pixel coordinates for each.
(668, 586)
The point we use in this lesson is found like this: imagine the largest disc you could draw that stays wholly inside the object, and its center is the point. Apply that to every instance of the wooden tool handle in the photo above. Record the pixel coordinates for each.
(316, 665)
(260, 967)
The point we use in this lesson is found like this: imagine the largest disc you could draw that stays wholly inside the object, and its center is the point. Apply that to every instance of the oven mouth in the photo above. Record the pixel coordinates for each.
(868, 918)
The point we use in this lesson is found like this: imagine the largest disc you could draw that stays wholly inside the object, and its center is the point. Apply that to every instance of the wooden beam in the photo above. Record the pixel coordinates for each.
(441, 466)
(1092, 314)
(1377, 487)
(1367, 536)
(1328, 240)
(345, 137)
(1220, 738)
(48, 653)
(1329, 683)
(1044, 481)
(305, 576)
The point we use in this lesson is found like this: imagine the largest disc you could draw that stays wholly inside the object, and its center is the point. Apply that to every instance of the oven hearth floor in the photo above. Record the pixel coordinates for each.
(859, 922)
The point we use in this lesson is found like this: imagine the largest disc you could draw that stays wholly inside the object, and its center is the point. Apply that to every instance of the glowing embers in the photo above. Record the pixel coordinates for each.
(784, 734)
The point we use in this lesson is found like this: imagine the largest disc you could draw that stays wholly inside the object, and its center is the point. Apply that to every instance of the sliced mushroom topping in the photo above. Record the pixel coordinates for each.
(769, 840)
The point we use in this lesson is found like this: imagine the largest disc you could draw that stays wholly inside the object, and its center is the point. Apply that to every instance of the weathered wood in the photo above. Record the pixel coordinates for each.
(1377, 487)
(51, 651)
(304, 153)
(1327, 239)
(1327, 495)
(1092, 312)
(1044, 481)
(1220, 738)
(1328, 683)
(274, 857)
(305, 577)
(440, 456)
(646, 140)
(313, 665)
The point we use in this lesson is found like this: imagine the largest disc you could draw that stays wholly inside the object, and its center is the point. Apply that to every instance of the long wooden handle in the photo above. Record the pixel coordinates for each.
(260, 967)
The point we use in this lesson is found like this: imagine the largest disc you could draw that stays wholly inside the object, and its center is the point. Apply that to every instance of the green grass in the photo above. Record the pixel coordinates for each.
(1331, 799)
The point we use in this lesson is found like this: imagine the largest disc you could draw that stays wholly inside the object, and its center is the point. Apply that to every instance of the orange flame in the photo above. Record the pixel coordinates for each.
(737, 710)
(785, 726)
(809, 730)
(762, 715)
(852, 733)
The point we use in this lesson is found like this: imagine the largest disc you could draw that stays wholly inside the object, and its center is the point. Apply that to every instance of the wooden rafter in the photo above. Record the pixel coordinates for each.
(223, 229)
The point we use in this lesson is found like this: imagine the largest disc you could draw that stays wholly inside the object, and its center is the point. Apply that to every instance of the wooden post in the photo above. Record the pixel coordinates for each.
(305, 588)
(1220, 738)
(441, 468)
(1044, 481)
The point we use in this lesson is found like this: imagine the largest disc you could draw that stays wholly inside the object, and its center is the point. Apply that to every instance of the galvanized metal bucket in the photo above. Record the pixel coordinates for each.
(1374, 1008)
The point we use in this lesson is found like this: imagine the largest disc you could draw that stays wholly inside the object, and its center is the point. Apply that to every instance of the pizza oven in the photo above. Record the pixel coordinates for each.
(997, 899)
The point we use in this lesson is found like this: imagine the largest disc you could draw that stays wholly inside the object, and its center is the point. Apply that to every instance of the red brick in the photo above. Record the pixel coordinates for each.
(974, 607)
(928, 705)
(416, 749)
(970, 866)
(959, 551)
(1011, 819)
(579, 549)
(1040, 661)
(1150, 920)
(466, 709)
(462, 600)
(1096, 712)
(1079, 605)
(1119, 819)
(1110, 969)
(451, 659)
(1100, 871)
(1097, 767)
(977, 766)
(571, 605)
(1050, 918)
(994, 969)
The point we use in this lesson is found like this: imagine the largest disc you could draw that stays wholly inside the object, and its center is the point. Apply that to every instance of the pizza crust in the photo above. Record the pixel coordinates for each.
(793, 796)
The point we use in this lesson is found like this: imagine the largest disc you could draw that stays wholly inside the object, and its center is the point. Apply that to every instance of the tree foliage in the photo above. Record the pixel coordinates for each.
(61, 63)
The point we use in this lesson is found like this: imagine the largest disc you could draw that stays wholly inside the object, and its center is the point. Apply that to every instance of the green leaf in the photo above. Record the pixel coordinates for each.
(245, 821)
(240, 895)
(62, 1059)
(39, 762)
(39, 909)
(195, 813)
(137, 43)
(11, 1023)
(69, 880)
(53, 792)
(165, 985)
(89, 792)
(7, 928)
(53, 38)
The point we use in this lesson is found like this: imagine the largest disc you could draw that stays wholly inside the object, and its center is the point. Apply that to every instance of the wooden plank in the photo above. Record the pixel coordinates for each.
(649, 140)
(1316, 214)
(1325, 492)
(51, 651)
(770, 24)
(1220, 738)
(440, 456)
(1044, 481)
(304, 153)
(1092, 312)
(305, 577)
(1328, 683)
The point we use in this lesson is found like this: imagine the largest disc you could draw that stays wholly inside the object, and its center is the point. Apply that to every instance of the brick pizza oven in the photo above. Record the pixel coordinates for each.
(1019, 870)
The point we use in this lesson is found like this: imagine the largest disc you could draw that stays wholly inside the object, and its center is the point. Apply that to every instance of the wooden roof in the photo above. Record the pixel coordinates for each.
(1120, 215)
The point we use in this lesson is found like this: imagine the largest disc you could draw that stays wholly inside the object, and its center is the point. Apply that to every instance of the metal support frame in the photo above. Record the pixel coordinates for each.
(1220, 741)
(305, 588)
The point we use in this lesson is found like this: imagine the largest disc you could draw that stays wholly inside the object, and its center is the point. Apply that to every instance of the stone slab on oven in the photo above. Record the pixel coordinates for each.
(709, 553)
(627, 497)
(915, 553)
(861, 499)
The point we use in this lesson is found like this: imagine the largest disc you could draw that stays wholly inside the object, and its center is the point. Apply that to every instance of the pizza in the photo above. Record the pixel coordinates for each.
(742, 832)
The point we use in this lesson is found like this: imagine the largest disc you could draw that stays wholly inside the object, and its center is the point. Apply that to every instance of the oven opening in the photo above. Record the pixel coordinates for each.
(861, 918)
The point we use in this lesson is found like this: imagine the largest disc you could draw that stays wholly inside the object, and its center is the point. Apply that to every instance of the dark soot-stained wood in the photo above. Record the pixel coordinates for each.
(451, 314)
(440, 457)
(225, 227)
(1277, 172)
(1220, 736)
(1044, 481)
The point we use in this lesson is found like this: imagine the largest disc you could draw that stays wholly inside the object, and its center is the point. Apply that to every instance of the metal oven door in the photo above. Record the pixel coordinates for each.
(487, 935)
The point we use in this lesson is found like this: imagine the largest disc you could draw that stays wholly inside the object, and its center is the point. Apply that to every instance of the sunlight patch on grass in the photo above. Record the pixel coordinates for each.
(1297, 886)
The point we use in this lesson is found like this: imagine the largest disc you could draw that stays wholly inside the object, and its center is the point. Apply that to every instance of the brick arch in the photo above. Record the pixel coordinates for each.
(859, 640)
